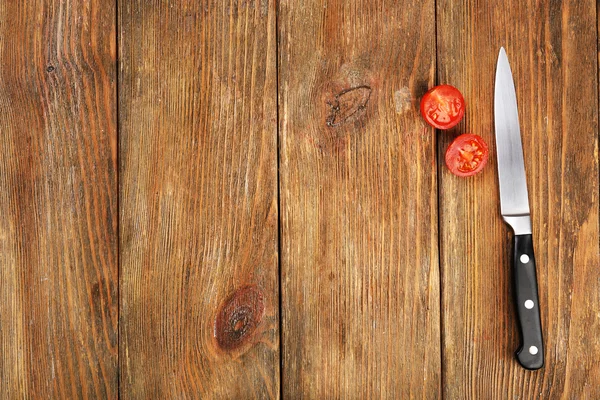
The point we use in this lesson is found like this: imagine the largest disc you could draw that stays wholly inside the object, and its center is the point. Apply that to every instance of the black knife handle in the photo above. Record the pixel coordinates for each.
(531, 353)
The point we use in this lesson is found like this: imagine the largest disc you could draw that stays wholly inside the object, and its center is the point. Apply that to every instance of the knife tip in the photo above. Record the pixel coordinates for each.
(502, 50)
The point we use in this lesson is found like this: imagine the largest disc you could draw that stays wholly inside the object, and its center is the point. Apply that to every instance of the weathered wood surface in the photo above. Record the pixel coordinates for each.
(198, 195)
(360, 175)
(360, 288)
(58, 200)
(552, 50)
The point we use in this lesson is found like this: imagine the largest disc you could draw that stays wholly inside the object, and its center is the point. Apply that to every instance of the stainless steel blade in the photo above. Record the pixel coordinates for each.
(514, 202)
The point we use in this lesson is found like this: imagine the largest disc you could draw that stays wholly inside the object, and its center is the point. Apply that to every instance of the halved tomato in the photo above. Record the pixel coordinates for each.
(443, 106)
(467, 155)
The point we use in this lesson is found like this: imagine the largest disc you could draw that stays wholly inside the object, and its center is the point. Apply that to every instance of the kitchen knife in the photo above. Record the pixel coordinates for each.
(514, 207)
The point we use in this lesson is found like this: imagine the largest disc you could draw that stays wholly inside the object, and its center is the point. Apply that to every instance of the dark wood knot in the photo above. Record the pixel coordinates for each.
(238, 317)
(348, 105)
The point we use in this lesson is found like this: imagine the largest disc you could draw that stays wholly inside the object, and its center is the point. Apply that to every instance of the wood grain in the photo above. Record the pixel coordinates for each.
(58, 229)
(552, 50)
(360, 286)
(198, 191)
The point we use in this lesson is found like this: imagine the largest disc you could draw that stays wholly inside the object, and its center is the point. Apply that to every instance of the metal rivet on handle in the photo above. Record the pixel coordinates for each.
(529, 304)
(524, 258)
(533, 350)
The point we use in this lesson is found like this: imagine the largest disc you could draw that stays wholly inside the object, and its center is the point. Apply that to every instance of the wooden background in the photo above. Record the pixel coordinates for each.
(238, 199)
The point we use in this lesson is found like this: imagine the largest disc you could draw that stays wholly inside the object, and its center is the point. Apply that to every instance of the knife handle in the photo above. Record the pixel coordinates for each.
(531, 353)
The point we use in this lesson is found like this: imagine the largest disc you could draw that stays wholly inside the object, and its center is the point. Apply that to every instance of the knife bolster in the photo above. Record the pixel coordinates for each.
(520, 224)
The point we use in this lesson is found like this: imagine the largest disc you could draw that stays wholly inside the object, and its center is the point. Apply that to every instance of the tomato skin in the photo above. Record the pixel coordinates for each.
(467, 155)
(443, 106)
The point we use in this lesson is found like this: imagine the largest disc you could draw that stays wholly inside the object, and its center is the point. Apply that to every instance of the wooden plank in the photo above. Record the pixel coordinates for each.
(58, 230)
(198, 164)
(360, 303)
(552, 50)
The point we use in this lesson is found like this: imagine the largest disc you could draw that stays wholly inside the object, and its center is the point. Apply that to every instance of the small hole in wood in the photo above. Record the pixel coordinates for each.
(239, 325)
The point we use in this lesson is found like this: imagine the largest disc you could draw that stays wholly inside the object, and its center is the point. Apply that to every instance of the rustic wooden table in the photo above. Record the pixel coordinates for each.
(186, 213)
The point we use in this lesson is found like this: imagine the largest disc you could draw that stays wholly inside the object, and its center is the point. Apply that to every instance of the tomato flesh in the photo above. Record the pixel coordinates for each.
(443, 106)
(467, 155)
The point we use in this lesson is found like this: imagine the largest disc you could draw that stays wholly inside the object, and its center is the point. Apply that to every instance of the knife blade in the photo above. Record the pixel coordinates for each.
(514, 208)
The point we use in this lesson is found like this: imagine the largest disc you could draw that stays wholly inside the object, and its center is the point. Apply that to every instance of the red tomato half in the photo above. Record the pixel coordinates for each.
(467, 155)
(443, 106)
